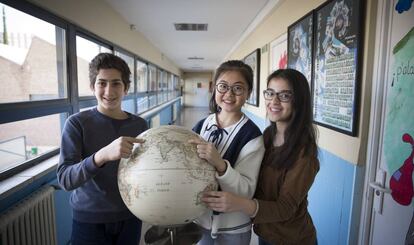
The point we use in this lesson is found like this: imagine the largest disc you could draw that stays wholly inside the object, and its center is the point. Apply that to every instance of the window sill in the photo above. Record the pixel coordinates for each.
(28, 176)
(153, 111)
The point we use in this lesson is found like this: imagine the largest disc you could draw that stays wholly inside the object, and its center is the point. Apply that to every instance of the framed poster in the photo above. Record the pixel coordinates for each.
(278, 53)
(337, 61)
(300, 46)
(253, 60)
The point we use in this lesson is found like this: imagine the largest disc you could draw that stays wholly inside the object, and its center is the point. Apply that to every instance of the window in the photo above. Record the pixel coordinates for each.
(86, 50)
(32, 58)
(142, 103)
(176, 86)
(128, 105)
(170, 86)
(130, 61)
(34, 67)
(152, 78)
(160, 78)
(142, 81)
(164, 87)
(24, 140)
(142, 86)
(152, 73)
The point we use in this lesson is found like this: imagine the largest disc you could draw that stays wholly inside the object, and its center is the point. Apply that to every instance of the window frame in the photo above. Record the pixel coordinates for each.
(72, 103)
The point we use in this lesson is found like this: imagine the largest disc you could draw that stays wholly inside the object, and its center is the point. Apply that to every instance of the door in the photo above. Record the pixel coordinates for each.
(196, 93)
(391, 146)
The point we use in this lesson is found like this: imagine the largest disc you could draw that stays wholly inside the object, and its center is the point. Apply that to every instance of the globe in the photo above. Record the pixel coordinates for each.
(163, 180)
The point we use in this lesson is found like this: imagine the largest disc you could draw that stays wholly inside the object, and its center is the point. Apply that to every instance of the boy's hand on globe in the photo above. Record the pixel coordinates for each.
(119, 148)
(208, 151)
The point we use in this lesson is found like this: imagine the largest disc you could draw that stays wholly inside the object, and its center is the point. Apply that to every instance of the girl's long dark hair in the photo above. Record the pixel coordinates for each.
(300, 135)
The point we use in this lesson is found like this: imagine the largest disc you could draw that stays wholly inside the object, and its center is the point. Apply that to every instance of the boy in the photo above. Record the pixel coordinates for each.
(93, 142)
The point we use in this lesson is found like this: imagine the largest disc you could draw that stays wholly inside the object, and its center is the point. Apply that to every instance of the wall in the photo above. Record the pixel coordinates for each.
(193, 94)
(98, 16)
(336, 195)
(274, 25)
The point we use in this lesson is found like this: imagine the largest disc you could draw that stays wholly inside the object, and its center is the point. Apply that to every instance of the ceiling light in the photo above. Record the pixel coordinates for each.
(195, 58)
(190, 27)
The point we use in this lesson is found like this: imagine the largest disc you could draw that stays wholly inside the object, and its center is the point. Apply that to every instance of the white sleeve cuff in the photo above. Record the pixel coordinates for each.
(227, 168)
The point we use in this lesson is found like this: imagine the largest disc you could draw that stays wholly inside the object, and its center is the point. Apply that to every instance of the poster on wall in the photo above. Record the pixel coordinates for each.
(278, 53)
(336, 65)
(398, 145)
(300, 46)
(253, 60)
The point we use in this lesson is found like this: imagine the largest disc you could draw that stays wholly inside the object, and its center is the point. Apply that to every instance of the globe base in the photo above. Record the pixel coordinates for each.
(173, 235)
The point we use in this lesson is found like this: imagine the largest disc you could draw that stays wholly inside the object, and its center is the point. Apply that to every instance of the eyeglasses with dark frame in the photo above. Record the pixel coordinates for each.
(282, 96)
(222, 88)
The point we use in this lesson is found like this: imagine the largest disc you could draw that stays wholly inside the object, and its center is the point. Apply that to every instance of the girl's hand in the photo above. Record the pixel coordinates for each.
(208, 151)
(222, 201)
(119, 148)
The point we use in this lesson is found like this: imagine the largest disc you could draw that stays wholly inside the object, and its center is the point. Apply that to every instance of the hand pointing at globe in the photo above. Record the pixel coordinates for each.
(119, 148)
(208, 151)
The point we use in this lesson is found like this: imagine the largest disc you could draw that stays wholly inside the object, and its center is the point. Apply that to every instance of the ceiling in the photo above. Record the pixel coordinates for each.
(229, 22)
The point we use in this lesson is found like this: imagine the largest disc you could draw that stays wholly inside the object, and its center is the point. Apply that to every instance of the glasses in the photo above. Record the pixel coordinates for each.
(223, 88)
(282, 96)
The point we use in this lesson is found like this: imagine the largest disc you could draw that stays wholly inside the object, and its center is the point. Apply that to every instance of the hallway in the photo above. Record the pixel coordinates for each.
(189, 116)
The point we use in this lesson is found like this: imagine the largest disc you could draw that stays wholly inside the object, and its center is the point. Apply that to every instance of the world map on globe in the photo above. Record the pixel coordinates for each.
(163, 180)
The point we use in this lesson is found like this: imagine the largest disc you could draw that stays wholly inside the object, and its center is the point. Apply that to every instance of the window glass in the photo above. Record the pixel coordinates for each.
(142, 81)
(32, 58)
(85, 51)
(23, 140)
(152, 78)
(130, 61)
(170, 86)
(152, 100)
(128, 105)
(142, 104)
(160, 76)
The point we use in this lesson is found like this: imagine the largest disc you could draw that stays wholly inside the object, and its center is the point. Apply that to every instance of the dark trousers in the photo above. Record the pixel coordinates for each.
(126, 232)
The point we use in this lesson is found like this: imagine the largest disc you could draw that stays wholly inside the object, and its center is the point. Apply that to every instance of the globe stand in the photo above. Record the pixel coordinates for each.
(186, 234)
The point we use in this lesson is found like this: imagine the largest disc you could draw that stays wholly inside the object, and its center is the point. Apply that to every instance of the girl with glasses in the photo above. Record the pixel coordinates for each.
(233, 144)
(289, 167)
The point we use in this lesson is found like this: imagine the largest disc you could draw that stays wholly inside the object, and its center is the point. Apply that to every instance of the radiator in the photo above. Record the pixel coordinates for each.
(31, 221)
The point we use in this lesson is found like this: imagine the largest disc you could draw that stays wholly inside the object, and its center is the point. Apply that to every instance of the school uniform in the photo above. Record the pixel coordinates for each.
(241, 146)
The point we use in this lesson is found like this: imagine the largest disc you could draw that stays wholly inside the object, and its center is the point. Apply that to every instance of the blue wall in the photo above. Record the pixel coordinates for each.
(62, 208)
(334, 198)
(166, 115)
(337, 187)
